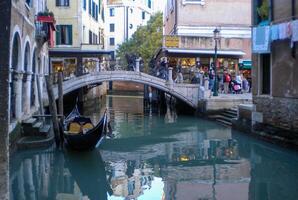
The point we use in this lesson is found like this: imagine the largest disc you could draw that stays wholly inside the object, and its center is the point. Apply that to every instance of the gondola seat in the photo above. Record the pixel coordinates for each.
(74, 128)
(87, 126)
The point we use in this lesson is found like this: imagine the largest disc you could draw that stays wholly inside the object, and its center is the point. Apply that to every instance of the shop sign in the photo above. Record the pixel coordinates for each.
(172, 41)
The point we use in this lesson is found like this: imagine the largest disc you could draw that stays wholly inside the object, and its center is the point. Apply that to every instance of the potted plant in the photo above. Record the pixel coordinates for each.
(263, 11)
(45, 16)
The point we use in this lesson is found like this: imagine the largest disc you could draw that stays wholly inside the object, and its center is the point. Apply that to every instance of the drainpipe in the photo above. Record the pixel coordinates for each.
(176, 18)
(126, 36)
(293, 18)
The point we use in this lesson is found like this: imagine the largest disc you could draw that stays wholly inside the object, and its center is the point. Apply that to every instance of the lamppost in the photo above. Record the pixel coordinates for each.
(216, 38)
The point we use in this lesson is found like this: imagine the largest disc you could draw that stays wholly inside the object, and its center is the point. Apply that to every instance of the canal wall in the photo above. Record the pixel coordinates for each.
(218, 104)
(279, 125)
(5, 12)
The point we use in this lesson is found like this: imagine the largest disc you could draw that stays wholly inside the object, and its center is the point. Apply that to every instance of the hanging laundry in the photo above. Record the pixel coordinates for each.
(274, 32)
(289, 30)
(295, 31)
(282, 31)
(261, 39)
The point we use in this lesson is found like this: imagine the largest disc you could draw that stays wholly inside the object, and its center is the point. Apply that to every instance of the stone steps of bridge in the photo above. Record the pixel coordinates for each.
(225, 117)
(29, 142)
(35, 134)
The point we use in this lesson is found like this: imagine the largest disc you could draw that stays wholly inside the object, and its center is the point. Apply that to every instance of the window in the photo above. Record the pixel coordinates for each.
(29, 3)
(62, 2)
(99, 6)
(143, 15)
(96, 13)
(84, 4)
(84, 28)
(94, 38)
(90, 37)
(64, 35)
(265, 68)
(112, 41)
(149, 4)
(112, 27)
(112, 12)
(90, 7)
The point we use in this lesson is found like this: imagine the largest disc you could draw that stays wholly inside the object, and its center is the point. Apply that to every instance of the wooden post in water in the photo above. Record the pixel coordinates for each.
(60, 102)
(53, 108)
(41, 112)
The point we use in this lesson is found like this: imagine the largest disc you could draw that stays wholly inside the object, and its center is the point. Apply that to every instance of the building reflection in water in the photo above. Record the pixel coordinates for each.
(51, 174)
(190, 159)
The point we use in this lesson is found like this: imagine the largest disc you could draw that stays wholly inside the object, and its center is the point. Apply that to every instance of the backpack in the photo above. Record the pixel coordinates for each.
(227, 78)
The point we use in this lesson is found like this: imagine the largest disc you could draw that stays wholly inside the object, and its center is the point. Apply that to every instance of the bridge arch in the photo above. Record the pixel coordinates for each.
(188, 93)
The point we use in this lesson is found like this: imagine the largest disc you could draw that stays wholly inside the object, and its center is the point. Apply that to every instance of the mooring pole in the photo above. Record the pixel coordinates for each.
(60, 93)
(41, 112)
(53, 108)
(60, 102)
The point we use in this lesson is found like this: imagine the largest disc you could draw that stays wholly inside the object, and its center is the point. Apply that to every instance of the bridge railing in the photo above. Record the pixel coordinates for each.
(160, 71)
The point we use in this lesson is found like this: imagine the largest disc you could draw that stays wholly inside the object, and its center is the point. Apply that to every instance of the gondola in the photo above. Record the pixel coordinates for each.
(79, 132)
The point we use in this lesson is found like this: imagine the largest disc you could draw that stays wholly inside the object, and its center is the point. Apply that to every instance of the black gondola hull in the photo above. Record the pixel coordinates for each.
(88, 140)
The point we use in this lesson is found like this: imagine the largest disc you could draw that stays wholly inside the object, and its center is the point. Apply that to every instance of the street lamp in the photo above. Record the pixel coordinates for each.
(216, 38)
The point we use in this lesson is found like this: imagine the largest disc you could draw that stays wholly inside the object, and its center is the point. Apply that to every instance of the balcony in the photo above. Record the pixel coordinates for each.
(44, 28)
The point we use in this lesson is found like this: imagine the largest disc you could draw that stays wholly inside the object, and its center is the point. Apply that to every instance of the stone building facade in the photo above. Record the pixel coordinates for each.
(194, 22)
(28, 60)
(23, 62)
(275, 83)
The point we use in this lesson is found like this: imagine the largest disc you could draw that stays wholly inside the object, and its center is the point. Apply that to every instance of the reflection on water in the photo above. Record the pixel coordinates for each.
(153, 157)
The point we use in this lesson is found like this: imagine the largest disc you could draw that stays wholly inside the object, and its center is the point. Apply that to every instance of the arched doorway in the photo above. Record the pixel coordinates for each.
(15, 65)
(26, 68)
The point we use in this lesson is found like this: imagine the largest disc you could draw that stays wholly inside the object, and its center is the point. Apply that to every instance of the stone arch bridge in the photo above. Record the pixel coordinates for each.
(188, 93)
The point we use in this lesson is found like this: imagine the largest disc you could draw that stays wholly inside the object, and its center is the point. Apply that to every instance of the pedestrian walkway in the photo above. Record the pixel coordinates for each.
(224, 101)
(247, 96)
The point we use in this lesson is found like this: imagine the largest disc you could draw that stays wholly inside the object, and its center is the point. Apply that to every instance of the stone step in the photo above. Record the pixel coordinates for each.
(29, 121)
(233, 112)
(224, 122)
(29, 142)
(45, 129)
(226, 114)
(228, 119)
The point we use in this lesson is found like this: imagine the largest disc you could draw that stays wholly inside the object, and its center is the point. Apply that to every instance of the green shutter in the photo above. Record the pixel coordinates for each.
(70, 34)
(58, 33)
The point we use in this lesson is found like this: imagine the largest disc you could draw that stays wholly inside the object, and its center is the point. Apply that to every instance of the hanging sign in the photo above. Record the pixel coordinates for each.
(172, 41)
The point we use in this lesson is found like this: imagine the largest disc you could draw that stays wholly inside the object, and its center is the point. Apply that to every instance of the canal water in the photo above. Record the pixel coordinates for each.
(157, 156)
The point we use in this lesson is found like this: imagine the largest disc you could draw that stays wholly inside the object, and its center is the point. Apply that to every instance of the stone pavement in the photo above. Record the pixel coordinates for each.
(243, 96)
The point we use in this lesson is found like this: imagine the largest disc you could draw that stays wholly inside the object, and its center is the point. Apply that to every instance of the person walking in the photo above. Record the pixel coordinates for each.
(179, 72)
(226, 81)
(211, 79)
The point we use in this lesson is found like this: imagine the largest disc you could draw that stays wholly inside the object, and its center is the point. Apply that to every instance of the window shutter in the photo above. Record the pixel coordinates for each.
(90, 6)
(70, 34)
(58, 33)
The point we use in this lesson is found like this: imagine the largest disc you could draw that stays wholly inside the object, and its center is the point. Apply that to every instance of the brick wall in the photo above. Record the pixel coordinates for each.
(278, 112)
(4, 85)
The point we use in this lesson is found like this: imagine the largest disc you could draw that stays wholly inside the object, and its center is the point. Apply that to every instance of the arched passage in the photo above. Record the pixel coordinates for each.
(25, 86)
(15, 65)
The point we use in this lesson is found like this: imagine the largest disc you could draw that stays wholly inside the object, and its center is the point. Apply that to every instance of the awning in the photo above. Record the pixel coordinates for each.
(60, 52)
(205, 51)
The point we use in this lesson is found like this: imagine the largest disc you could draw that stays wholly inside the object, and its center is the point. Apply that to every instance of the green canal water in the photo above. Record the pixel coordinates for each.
(157, 156)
